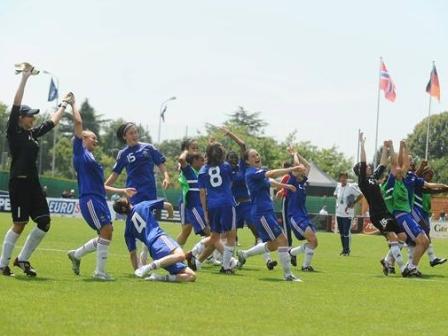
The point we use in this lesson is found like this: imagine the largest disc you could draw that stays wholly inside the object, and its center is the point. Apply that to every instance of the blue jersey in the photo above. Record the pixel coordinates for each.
(139, 161)
(413, 182)
(239, 188)
(141, 224)
(296, 200)
(192, 198)
(89, 172)
(218, 183)
(259, 190)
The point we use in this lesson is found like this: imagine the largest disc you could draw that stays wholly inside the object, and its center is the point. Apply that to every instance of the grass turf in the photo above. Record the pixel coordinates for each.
(346, 296)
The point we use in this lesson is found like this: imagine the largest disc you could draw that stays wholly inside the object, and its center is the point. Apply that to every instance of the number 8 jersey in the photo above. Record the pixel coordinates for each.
(217, 180)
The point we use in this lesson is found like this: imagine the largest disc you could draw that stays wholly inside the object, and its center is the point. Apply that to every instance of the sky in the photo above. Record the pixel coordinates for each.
(310, 66)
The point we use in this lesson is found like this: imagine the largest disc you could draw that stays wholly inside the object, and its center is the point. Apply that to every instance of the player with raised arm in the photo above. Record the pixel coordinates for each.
(190, 165)
(282, 194)
(92, 198)
(422, 206)
(241, 193)
(25, 192)
(298, 217)
(165, 251)
(398, 198)
(189, 146)
(380, 216)
(215, 185)
(259, 182)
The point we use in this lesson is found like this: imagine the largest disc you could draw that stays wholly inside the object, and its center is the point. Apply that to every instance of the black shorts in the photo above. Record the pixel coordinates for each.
(385, 224)
(27, 200)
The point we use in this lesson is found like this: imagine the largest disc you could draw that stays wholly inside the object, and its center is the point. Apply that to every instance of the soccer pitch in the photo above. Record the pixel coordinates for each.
(346, 296)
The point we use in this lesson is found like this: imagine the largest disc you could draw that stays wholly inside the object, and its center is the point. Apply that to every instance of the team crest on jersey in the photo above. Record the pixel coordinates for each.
(30, 137)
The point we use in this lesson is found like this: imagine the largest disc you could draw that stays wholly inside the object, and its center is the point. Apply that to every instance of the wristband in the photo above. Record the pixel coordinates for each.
(63, 104)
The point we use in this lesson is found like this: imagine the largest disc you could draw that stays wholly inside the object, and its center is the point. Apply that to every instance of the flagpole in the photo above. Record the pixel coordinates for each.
(377, 114)
(357, 150)
(427, 128)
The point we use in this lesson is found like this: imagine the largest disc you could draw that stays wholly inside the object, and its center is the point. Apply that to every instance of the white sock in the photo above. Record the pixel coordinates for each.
(389, 258)
(430, 252)
(154, 265)
(198, 264)
(101, 255)
(309, 253)
(298, 250)
(395, 251)
(285, 259)
(217, 255)
(88, 247)
(260, 248)
(198, 248)
(227, 255)
(165, 278)
(150, 267)
(411, 265)
(267, 256)
(8, 245)
(32, 241)
(410, 254)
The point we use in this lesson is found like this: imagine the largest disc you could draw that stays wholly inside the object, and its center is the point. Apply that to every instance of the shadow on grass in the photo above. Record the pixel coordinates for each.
(37, 279)
(237, 274)
(398, 276)
(272, 279)
(250, 269)
(430, 276)
(98, 281)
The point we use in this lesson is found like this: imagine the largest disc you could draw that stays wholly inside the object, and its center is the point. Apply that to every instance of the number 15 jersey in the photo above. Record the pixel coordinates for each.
(217, 180)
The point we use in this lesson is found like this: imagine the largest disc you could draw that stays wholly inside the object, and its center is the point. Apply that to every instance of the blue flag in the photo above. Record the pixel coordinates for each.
(53, 93)
(162, 115)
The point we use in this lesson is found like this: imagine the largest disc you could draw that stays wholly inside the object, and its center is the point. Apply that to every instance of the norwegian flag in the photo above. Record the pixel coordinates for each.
(433, 86)
(386, 83)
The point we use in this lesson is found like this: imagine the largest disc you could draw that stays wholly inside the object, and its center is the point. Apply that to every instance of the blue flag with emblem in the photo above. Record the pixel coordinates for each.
(53, 93)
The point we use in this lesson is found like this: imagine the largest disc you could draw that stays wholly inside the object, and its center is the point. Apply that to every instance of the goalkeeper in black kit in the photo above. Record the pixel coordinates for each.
(381, 218)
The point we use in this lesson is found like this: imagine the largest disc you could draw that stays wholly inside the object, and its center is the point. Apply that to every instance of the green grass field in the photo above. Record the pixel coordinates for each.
(347, 296)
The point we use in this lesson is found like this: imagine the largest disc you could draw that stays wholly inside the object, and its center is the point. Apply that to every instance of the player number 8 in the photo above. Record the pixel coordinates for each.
(215, 177)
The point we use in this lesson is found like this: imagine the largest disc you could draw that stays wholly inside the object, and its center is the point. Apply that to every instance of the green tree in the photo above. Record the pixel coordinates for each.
(64, 157)
(438, 137)
(90, 119)
(109, 141)
(4, 115)
(438, 140)
(251, 121)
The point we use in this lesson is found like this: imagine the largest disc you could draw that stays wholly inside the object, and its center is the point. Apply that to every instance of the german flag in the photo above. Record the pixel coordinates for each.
(433, 87)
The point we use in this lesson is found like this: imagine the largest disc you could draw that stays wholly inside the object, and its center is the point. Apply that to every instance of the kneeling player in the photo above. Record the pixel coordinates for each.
(298, 214)
(165, 252)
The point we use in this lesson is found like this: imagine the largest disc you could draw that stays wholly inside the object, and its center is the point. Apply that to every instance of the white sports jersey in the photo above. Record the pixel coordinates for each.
(344, 193)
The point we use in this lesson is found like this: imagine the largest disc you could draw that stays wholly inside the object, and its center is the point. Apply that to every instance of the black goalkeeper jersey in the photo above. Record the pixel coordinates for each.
(24, 145)
(372, 192)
